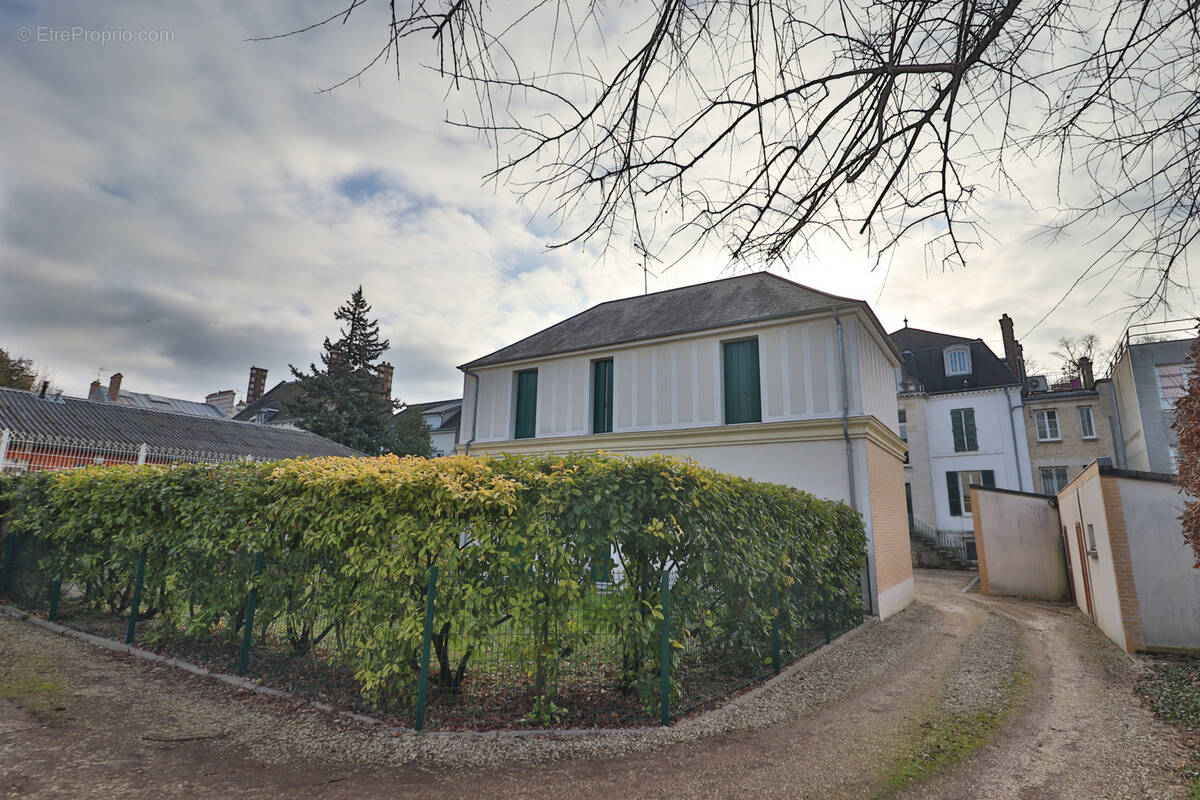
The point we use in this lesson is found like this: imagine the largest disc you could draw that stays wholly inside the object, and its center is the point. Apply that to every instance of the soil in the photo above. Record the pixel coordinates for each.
(78, 722)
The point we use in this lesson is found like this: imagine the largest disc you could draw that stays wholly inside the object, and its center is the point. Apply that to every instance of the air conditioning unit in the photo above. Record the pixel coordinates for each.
(1036, 383)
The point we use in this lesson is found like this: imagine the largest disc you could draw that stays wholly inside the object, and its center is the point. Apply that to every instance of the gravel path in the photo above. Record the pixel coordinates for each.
(119, 727)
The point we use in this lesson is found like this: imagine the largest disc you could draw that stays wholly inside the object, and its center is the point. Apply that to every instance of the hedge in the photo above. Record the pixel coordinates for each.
(518, 541)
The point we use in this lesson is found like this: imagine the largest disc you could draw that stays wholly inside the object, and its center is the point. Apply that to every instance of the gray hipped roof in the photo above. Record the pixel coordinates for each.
(731, 301)
(72, 417)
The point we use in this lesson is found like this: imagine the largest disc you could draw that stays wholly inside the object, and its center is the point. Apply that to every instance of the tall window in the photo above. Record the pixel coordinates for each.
(1047, 425)
(904, 430)
(526, 404)
(1054, 479)
(957, 360)
(958, 488)
(1087, 425)
(602, 396)
(743, 402)
(962, 424)
(1172, 384)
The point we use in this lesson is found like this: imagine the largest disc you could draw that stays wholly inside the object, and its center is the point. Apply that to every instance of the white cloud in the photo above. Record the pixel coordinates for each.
(178, 211)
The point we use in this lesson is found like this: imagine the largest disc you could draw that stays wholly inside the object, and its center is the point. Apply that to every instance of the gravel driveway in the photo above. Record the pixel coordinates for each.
(79, 722)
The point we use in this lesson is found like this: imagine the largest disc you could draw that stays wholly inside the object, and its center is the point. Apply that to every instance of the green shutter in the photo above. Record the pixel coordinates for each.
(971, 440)
(602, 396)
(988, 478)
(956, 425)
(526, 404)
(743, 401)
(952, 490)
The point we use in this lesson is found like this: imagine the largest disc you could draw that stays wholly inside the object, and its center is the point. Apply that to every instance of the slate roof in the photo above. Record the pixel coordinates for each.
(731, 301)
(74, 417)
(449, 410)
(278, 398)
(923, 361)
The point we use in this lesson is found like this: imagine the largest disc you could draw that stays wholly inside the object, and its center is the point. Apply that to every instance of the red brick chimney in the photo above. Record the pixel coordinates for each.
(223, 400)
(1012, 350)
(258, 384)
(95, 392)
(114, 387)
(385, 376)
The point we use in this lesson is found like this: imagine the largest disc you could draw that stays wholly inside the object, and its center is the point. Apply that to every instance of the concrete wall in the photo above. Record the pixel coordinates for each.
(1019, 542)
(1168, 587)
(1146, 426)
(676, 383)
(1082, 504)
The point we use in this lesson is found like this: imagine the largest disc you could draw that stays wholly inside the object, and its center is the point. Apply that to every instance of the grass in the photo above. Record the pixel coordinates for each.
(943, 739)
(30, 681)
(1172, 689)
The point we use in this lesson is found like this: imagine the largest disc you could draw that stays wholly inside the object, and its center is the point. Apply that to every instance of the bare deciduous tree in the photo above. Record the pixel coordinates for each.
(1071, 349)
(760, 124)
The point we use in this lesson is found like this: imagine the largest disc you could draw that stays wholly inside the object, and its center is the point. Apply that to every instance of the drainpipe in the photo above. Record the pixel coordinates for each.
(1016, 450)
(474, 413)
(850, 451)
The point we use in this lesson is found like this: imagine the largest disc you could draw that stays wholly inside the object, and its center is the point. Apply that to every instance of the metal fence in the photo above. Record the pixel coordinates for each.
(24, 452)
(584, 669)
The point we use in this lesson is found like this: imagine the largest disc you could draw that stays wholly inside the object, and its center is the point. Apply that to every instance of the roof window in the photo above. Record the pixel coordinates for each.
(958, 360)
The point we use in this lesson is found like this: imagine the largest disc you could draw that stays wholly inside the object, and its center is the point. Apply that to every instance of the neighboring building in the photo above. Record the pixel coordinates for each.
(58, 432)
(753, 375)
(1066, 420)
(274, 407)
(1130, 567)
(1149, 372)
(217, 405)
(443, 418)
(959, 412)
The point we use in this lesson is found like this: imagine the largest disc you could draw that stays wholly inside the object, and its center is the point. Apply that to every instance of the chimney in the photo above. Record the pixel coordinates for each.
(114, 387)
(258, 384)
(1085, 372)
(223, 401)
(95, 392)
(385, 375)
(45, 386)
(1012, 350)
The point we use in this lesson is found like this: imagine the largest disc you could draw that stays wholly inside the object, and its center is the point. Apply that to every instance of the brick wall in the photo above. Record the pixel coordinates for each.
(889, 518)
(1118, 537)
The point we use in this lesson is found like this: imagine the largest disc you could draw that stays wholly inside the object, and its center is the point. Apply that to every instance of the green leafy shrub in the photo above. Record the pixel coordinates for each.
(519, 543)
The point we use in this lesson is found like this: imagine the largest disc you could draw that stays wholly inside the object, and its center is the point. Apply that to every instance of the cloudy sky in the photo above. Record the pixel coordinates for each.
(180, 204)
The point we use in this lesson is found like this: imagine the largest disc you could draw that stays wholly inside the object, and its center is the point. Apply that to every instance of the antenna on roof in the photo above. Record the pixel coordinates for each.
(641, 250)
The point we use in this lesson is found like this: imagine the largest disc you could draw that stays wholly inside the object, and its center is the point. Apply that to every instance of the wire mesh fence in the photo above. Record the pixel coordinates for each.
(285, 622)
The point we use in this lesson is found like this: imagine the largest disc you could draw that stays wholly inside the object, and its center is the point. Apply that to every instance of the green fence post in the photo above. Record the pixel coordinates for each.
(426, 642)
(825, 604)
(665, 688)
(775, 612)
(131, 628)
(55, 593)
(10, 557)
(248, 624)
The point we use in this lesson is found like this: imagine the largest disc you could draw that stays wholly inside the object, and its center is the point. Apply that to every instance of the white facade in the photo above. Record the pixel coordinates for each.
(668, 397)
(998, 422)
(676, 383)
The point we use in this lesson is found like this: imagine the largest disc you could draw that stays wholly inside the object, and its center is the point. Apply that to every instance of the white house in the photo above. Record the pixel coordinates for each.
(960, 408)
(442, 417)
(753, 375)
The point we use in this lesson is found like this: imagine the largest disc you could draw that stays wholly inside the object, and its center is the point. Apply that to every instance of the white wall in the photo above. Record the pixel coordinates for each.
(1082, 503)
(1168, 586)
(676, 383)
(996, 448)
(1019, 542)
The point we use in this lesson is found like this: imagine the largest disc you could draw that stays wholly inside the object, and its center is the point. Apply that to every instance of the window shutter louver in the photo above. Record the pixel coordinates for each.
(952, 490)
(526, 404)
(987, 479)
(971, 439)
(956, 425)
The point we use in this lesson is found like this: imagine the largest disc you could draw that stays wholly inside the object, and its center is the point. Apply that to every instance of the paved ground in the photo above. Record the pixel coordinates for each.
(77, 722)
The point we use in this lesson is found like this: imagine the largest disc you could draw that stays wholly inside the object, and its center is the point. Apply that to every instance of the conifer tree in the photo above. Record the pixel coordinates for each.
(346, 399)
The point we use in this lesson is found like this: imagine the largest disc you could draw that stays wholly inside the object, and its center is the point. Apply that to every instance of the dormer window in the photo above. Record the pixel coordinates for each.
(958, 360)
